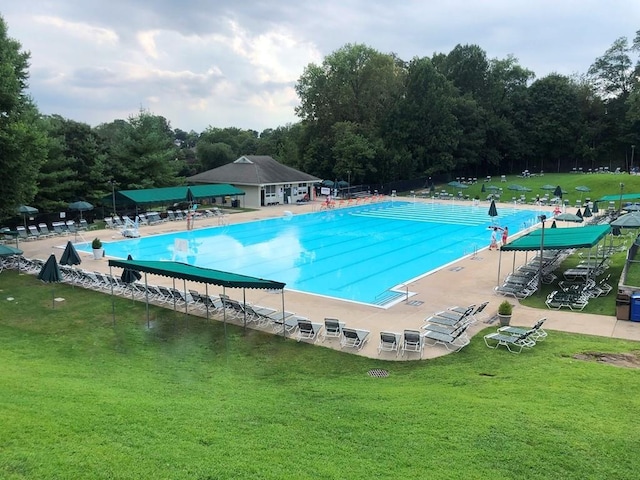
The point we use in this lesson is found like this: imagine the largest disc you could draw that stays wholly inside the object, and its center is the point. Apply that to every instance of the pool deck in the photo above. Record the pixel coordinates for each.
(468, 281)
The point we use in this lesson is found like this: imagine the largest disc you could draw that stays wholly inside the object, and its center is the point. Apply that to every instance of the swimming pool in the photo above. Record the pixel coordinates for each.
(357, 253)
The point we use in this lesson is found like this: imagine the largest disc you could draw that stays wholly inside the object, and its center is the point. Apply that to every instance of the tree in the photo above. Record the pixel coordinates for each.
(613, 73)
(140, 153)
(22, 140)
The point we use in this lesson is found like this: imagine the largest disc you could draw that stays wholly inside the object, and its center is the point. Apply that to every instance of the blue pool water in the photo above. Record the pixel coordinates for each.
(358, 253)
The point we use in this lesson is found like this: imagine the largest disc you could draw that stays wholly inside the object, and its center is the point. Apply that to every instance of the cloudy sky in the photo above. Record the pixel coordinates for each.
(225, 63)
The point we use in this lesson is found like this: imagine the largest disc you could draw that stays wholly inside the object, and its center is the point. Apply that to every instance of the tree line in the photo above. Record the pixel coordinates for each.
(366, 116)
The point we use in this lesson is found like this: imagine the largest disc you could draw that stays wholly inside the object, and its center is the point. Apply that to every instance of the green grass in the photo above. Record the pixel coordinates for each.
(600, 184)
(81, 398)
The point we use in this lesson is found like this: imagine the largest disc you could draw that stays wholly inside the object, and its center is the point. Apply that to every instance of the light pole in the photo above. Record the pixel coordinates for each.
(542, 219)
(113, 195)
(621, 189)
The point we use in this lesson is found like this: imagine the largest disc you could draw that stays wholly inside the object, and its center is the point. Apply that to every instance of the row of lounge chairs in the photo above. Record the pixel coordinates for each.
(42, 230)
(524, 281)
(447, 327)
(515, 339)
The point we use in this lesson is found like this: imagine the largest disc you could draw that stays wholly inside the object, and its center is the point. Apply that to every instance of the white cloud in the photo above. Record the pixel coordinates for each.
(229, 63)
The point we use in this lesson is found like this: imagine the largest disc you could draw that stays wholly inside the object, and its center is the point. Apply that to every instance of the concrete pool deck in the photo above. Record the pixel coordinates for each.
(467, 281)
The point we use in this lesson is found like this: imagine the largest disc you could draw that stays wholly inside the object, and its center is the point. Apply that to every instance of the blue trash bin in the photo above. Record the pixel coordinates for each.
(634, 315)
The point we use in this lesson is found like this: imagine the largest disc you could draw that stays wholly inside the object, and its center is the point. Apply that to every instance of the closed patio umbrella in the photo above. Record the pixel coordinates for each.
(587, 212)
(70, 255)
(493, 211)
(130, 276)
(558, 192)
(50, 273)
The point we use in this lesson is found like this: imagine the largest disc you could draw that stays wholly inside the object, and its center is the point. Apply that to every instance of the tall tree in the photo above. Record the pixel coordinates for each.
(22, 140)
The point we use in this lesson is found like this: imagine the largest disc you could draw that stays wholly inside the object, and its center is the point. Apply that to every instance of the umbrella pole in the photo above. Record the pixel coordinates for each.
(284, 325)
(499, 265)
(146, 292)
(244, 306)
(206, 291)
(186, 304)
(113, 303)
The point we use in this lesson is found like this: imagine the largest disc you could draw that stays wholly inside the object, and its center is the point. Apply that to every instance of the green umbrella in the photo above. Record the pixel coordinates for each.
(548, 187)
(70, 255)
(493, 211)
(80, 206)
(26, 211)
(7, 251)
(50, 273)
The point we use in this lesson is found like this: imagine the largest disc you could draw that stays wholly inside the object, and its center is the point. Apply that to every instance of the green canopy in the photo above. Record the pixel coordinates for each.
(615, 198)
(197, 274)
(560, 238)
(172, 194)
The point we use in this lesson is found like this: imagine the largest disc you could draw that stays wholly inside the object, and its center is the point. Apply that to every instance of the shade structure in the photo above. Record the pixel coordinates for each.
(50, 273)
(70, 255)
(25, 211)
(560, 238)
(587, 212)
(569, 217)
(629, 220)
(558, 192)
(80, 206)
(493, 211)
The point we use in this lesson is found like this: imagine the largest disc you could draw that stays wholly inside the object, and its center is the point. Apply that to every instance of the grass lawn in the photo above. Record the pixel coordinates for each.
(81, 398)
(600, 184)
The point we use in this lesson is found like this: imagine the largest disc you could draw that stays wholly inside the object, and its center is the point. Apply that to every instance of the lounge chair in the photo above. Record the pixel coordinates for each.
(412, 342)
(60, 228)
(71, 226)
(450, 317)
(34, 233)
(308, 330)
(454, 340)
(332, 328)
(514, 343)
(352, 338)
(574, 301)
(389, 342)
(536, 332)
(109, 222)
(83, 224)
(23, 235)
(44, 230)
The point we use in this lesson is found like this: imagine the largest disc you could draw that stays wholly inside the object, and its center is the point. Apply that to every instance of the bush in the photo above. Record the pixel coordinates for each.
(96, 244)
(505, 308)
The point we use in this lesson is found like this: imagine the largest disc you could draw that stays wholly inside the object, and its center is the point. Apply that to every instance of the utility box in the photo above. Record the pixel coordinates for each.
(623, 306)
(635, 308)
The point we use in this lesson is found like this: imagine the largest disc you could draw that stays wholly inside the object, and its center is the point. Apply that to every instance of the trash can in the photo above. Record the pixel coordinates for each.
(623, 304)
(235, 203)
(635, 308)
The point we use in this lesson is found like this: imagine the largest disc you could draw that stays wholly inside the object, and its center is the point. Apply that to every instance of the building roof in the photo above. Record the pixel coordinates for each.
(253, 170)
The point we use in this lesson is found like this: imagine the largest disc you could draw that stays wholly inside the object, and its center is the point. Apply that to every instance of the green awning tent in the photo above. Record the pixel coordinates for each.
(556, 239)
(560, 238)
(624, 196)
(184, 271)
(171, 194)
